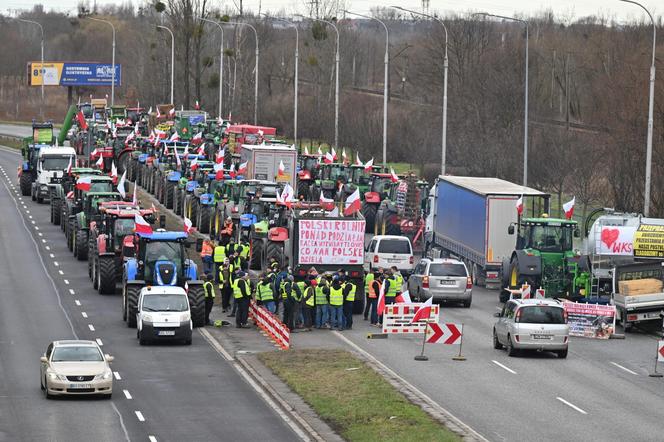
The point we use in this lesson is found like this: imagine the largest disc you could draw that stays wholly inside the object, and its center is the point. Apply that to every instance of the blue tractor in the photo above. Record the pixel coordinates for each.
(160, 258)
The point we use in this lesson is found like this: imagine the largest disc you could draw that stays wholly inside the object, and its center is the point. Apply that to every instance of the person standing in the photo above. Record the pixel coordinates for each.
(349, 302)
(208, 289)
(398, 278)
(219, 255)
(309, 302)
(374, 291)
(206, 256)
(391, 287)
(278, 280)
(336, 296)
(290, 294)
(368, 280)
(242, 295)
(322, 302)
(225, 278)
(264, 293)
(227, 231)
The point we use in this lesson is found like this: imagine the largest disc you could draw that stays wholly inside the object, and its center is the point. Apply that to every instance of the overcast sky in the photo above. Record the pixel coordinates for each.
(562, 8)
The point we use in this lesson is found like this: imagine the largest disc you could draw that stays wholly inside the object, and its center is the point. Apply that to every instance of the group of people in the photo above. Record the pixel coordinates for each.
(390, 281)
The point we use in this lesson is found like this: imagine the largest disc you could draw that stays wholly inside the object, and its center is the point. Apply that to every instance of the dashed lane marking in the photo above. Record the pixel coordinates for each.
(61, 272)
(504, 367)
(624, 368)
(51, 255)
(152, 438)
(99, 342)
(91, 327)
(55, 263)
(117, 376)
(72, 292)
(139, 415)
(571, 405)
(77, 302)
(127, 394)
(66, 281)
(85, 315)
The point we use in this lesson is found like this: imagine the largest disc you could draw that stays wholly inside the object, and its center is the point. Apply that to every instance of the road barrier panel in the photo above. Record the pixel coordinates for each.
(397, 318)
(273, 327)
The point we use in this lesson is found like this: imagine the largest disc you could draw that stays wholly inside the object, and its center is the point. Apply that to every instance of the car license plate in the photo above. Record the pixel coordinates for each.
(393, 260)
(166, 332)
(542, 336)
(445, 282)
(80, 386)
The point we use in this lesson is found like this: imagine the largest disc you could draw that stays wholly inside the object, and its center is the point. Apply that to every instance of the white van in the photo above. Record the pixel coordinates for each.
(52, 165)
(163, 313)
(390, 251)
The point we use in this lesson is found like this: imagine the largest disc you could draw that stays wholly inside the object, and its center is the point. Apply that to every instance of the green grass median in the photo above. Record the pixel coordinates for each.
(352, 398)
(14, 143)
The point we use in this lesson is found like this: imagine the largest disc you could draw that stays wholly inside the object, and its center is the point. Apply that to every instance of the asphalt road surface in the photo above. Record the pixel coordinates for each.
(161, 392)
(13, 130)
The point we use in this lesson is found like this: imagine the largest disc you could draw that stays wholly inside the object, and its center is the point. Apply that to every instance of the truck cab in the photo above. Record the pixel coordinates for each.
(51, 167)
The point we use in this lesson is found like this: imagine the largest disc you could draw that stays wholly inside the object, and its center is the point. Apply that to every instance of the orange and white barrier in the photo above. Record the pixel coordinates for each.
(397, 318)
(273, 327)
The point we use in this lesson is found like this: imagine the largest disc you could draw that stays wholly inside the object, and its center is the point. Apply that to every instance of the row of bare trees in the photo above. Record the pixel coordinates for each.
(588, 88)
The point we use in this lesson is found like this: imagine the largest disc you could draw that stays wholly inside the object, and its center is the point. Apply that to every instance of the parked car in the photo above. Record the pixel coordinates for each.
(390, 251)
(532, 324)
(75, 368)
(445, 279)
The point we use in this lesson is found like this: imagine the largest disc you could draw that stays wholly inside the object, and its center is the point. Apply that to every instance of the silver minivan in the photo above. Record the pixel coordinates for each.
(444, 279)
(532, 324)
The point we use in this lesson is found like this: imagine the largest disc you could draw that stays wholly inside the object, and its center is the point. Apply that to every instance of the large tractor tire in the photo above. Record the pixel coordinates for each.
(25, 182)
(92, 255)
(204, 219)
(303, 189)
(81, 247)
(275, 250)
(195, 208)
(55, 212)
(369, 214)
(169, 196)
(196, 296)
(106, 275)
(228, 158)
(516, 280)
(70, 234)
(131, 294)
(256, 258)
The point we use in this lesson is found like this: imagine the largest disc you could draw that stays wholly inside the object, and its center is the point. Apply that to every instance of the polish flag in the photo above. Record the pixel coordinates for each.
(320, 152)
(100, 161)
(171, 113)
(130, 137)
(403, 298)
(282, 169)
(221, 153)
(150, 110)
(177, 160)
(369, 165)
(306, 150)
(134, 199)
(81, 120)
(198, 138)
(136, 129)
(519, 205)
(334, 154)
(197, 106)
(121, 184)
(114, 131)
(393, 176)
(218, 171)
(344, 157)
(200, 150)
(423, 313)
(165, 150)
(381, 299)
(220, 121)
(329, 158)
(188, 227)
(109, 125)
(84, 183)
(141, 226)
(353, 203)
(158, 113)
(326, 203)
(242, 169)
(568, 207)
(231, 172)
(357, 160)
(160, 133)
(69, 166)
(114, 170)
(151, 137)
(174, 137)
(288, 195)
(194, 164)
(94, 153)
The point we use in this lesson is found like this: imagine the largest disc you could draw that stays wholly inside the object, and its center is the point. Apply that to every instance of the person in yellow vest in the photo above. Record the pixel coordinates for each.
(336, 296)
(218, 256)
(349, 301)
(244, 255)
(291, 295)
(391, 287)
(309, 306)
(368, 280)
(206, 256)
(225, 278)
(299, 306)
(242, 295)
(398, 277)
(264, 293)
(372, 296)
(322, 302)
(208, 289)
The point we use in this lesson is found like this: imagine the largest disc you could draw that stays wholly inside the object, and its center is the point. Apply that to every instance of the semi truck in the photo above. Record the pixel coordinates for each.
(263, 163)
(469, 218)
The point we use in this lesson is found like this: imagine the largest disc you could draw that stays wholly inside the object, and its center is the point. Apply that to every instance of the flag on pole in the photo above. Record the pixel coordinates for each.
(194, 164)
(334, 154)
(282, 169)
(141, 226)
(333, 213)
(134, 199)
(306, 150)
(326, 203)
(69, 166)
(150, 110)
(231, 172)
(121, 184)
(100, 161)
(114, 170)
(381, 299)
(357, 160)
(84, 183)
(393, 176)
(174, 137)
(423, 313)
(218, 171)
(177, 159)
(568, 207)
(329, 158)
(242, 169)
(353, 203)
(158, 113)
(519, 205)
(81, 121)
(188, 226)
(171, 113)
(344, 157)
(198, 138)
(221, 153)
(369, 165)
(197, 106)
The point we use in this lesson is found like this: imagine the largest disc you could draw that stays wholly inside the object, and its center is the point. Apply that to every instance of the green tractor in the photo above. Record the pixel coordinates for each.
(79, 228)
(331, 178)
(544, 258)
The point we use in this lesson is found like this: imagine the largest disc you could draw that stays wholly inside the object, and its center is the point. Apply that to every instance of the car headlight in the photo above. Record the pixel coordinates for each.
(56, 377)
(185, 317)
(147, 318)
(104, 376)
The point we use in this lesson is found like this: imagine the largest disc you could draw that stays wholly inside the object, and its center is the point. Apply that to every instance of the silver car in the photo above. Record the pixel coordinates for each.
(444, 279)
(532, 324)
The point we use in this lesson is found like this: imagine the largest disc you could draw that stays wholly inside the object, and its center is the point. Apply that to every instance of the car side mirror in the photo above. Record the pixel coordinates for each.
(510, 229)
(43, 359)
(497, 315)
(109, 358)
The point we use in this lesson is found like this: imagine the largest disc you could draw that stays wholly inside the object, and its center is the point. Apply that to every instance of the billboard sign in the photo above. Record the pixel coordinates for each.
(339, 242)
(73, 74)
(649, 241)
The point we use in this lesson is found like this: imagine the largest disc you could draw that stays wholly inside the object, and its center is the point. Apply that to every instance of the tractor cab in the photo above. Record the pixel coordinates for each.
(546, 235)
(162, 258)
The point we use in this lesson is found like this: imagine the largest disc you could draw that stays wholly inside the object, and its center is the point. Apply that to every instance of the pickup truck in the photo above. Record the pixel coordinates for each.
(635, 306)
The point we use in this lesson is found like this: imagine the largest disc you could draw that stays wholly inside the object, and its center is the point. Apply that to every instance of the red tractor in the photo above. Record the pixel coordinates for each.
(379, 189)
(239, 134)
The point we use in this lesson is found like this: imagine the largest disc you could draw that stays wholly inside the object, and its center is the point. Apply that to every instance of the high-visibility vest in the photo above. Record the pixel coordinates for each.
(368, 280)
(207, 249)
(264, 292)
(321, 299)
(208, 288)
(302, 285)
(309, 291)
(230, 249)
(399, 279)
(244, 253)
(373, 293)
(350, 297)
(237, 293)
(231, 269)
(393, 288)
(219, 254)
(336, 296)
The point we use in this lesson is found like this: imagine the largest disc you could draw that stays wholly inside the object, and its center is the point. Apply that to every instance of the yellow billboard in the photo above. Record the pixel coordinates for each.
(56, 73)
(649, 241)
(50, 73)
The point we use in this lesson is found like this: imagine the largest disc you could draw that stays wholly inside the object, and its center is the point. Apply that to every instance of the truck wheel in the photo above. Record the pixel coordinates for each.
(106, 275)
(274, 250)
(204, 219)
(303, 189)
(132, 304)
(25, 182)
(256, 258)
(197, 304)
(369, 213)
(81, 251)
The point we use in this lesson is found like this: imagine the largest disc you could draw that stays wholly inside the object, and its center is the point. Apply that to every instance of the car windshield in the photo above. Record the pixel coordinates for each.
(541, 314)
(101, 186)
(73, 353)
(396, 246)
(123, 227)
(55, 163)
(447, 270)
(165, 303)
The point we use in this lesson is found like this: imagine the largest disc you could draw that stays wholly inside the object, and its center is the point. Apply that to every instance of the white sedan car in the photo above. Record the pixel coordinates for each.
(76, 368)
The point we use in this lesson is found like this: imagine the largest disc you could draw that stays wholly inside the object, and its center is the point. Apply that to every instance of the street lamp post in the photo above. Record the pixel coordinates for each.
(221, 62)
(41, 70)
(651, 105)
(445, 66)
(112, 57)
(297, 58)
(386, 86)
(256, 69)
(172, 59)
(525, 124)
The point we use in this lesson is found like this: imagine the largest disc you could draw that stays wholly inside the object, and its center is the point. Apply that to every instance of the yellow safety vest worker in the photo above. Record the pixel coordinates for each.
(231, 270)
(264, 292)
(208, 288)
(219, 254)
(393, 287)
(311, 293)
(237, 293)
(321, 299)
(336, 296)
(244, 253)
(399, 279)
(372, 293)
(368, 280)
(350, 297)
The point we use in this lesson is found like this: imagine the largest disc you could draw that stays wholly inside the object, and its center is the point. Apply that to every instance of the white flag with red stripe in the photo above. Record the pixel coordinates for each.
(231, 172)
(100, 161)
(242, 169)
(369, 165)
(175, 136)
(329, 158)
(381, 298)
(188, 226)
(568, 207)
(218, 171)
(114, 170)
(194, 164)
(357, 160)
(84, 183)
(220, 155)
(121, 184)
(177, 159)
(344, 157)
(320, 152)
(393, 176)
(306, 150)
(334, 154)
(282, 169)
(69, 166)
(423, 313)
(197, 138)
(171, 113)
(519, 205)
(353, 203)
(141, 226)
(326, 203)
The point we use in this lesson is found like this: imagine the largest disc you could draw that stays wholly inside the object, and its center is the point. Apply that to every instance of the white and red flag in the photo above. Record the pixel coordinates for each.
(84, 183)
(519, 205)
(353, 203)
(141, 226)
(369, 165)
(423, 313)
(281, 171)
(568, 207)
(393, 176)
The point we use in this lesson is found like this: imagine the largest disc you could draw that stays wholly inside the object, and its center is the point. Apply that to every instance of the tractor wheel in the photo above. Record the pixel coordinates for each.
(196, 296)
(55, 208)
(40, 199)
(70, 235)
(25, 183)
(95, 271)
(169, 195)
(274, 250)
(106, 275)
(132, 293)
(303, 189)
(369, 214)
(256, 258)
(228, 158)
(516, 280)
(204, 219)
(82, 244)
(123, 163)
(92, 253)
(314, 192)
(195, 208)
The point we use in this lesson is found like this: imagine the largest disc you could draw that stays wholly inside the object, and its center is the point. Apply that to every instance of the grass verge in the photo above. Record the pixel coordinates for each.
(14, 143)
(352, 398)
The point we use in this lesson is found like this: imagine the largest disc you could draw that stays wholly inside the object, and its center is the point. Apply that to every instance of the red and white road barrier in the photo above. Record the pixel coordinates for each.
(397, 318)
(275, 329)
(449, 334)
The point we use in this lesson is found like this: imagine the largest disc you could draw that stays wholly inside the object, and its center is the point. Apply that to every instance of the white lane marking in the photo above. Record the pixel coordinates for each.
(126, 393)
(43, 240)
(66, 281)
(77, 302)
(37, 228)
(29, 216)
(99, 342)
(503, 366)
(117, 375)
(152, 438)
(55, 263)
(139, 415)
(72, 292)
(33, 221)
(624, 368)
(61, 272)
(39, 233)
(51, 255)
(85, 315)
(91, 327)
(47, 247)
(571, 405)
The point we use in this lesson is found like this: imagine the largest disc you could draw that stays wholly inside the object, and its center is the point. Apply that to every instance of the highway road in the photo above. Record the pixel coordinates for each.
(161, 392)
(14, 130)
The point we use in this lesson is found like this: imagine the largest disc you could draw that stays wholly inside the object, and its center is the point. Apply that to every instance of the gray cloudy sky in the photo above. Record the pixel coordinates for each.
(562, 8)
